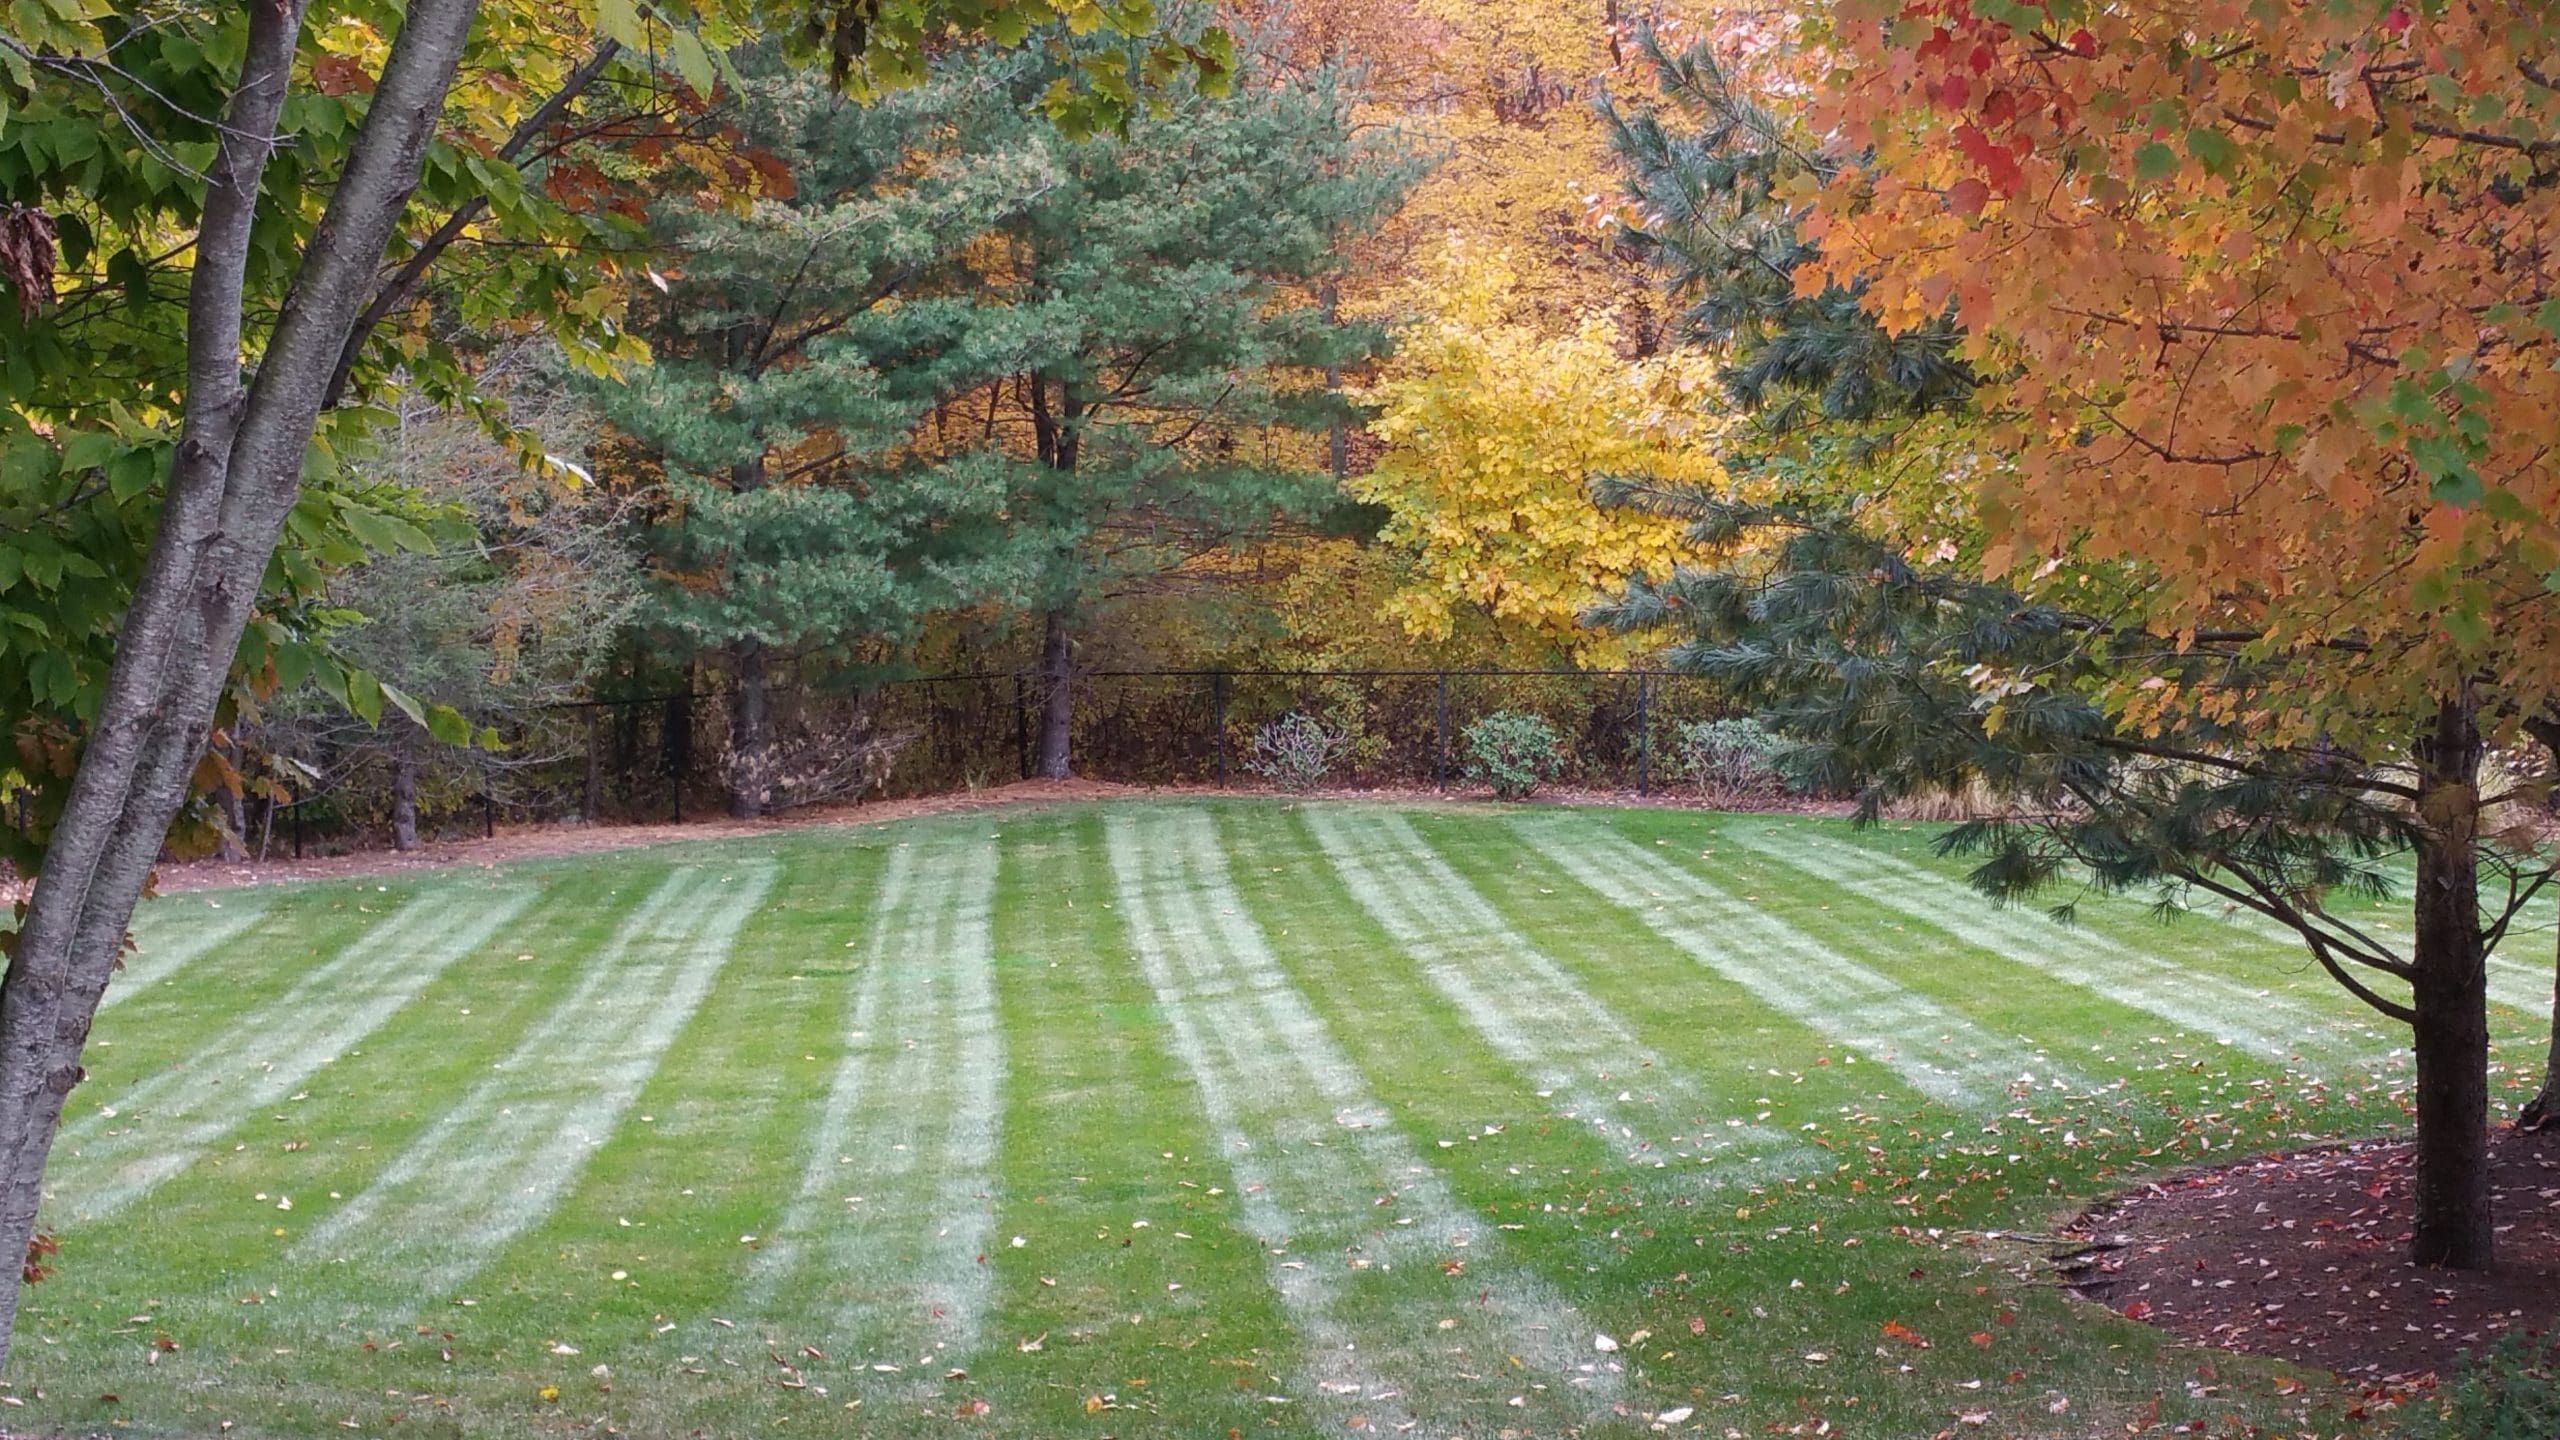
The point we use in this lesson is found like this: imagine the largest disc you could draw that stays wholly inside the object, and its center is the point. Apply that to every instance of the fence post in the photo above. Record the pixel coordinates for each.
(1218, 703)
(592, 804)
(683, 750)
(1021, 730)
(1644, 733)
(1440, 736)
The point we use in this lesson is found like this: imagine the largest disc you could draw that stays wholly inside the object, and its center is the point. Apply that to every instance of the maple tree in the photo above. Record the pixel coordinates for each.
(2284, 349)
(2200, 556)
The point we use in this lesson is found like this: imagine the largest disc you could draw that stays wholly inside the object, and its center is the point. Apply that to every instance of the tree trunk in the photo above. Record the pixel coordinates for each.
(591, 799)
(233, 477)
(750, 734)
(2450, 994)
(1057, 678)
(2544, 1107)
(404, 798)
(232, 840)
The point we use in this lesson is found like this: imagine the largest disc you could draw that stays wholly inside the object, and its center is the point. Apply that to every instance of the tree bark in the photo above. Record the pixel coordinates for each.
(235, 473)
(750, 733)
(1057, 680)
(2452, 1227)
(404, 797)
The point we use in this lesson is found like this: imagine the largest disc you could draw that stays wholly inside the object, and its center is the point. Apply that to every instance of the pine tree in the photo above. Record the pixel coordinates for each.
(777, 551)
(1707, 168)
(1135, 357)
(972, 359)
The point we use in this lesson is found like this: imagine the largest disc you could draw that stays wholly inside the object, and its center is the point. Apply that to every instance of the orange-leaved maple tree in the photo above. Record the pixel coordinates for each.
(2263, 301)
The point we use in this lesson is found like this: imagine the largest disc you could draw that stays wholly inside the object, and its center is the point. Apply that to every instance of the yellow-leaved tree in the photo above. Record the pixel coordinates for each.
(1494, 430)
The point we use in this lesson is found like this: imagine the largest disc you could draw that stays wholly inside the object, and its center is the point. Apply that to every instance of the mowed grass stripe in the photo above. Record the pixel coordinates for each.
(1563, 1042)
(169, 938)
(1354, 1224)
(1133, 1267)
(2243, 1017)
(1778, 1069)
(141, 1136)
(208, 1244)
(1937, 1052)
(2520, 986)
(497, 1162)
(889, 1227)
(654, 1240)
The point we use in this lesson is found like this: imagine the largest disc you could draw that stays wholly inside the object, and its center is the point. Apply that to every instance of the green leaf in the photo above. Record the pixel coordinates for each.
(406, 703)
(364, 696)
(85, 449)
(132, 472)
(692, 61)
(620, 21)
(447, 724)
(2450, 477)
(2153, 161)
(293, 666)
(382, 533)
(2212, 149)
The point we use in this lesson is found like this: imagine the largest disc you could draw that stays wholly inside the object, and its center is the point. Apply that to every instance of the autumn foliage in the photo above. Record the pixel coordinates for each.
(2263, 296)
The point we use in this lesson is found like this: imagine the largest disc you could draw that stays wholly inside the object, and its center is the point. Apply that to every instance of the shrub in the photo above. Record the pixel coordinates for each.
(1514, 753)
(1297, 751)
(1728, 760)
(2511, 1391)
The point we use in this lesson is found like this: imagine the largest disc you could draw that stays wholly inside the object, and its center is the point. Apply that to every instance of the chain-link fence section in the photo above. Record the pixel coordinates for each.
(665, 757)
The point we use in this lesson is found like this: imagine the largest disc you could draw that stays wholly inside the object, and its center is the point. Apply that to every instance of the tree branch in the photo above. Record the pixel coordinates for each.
(395, 290)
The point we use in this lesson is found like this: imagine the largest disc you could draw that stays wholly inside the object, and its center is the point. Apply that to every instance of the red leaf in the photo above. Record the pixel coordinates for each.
(340, 74)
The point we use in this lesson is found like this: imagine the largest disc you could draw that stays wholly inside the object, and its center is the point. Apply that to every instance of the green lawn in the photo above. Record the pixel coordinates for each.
(1172, 1118)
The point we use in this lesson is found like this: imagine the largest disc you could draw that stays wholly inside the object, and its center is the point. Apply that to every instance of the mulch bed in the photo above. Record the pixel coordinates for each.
(2300, 1256)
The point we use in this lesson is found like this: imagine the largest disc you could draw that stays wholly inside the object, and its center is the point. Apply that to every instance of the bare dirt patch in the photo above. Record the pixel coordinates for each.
(2300, 1256)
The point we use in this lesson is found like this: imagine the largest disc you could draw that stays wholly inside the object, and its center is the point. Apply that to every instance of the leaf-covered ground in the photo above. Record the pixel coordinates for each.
(1170, 1118)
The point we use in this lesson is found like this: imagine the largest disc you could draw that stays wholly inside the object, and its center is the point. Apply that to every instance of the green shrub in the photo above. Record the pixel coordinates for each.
(2510, 1391)
(1514, 753)
(1728, 760)
(1297, 751)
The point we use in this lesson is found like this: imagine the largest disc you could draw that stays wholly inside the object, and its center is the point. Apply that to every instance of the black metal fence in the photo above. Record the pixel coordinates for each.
(661, 757)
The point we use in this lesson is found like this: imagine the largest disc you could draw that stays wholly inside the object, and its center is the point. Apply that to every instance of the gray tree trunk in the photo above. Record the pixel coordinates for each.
(1057, 706)
(750, 734)
(404, 798)
(235, 473)
(2450, 993)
